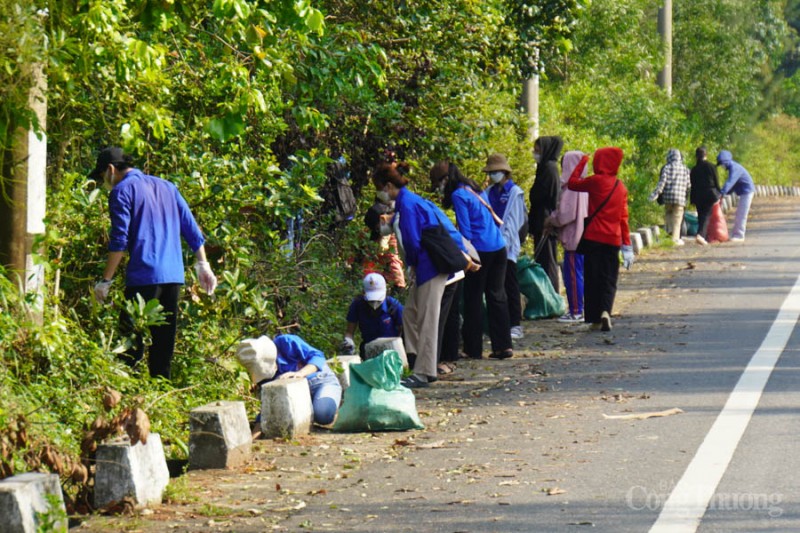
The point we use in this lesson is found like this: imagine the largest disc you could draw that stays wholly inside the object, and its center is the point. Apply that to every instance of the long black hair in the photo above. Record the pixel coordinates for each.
(455, 179)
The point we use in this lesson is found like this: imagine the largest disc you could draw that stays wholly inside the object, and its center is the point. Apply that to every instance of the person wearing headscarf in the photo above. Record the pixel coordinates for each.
(704, 192)
(740, 182)
(567, 220)
(543, 201)
(605, 231)
(508, 201)
(673, 183)
(478, 223)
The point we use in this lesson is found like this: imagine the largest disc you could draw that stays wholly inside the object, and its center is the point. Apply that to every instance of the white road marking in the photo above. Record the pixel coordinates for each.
(689, 499)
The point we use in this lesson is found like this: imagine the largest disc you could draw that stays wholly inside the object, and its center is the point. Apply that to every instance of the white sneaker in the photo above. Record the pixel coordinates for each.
(700, 240)
(737, 239)
(605, 321)
(569, 318)
(679, 242)
(516, 332)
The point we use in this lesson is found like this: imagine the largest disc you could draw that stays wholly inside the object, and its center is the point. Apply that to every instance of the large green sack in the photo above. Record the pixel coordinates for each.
(543, 300)
(375, 399)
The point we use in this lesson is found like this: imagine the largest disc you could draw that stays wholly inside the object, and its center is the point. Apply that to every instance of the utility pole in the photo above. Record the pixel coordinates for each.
(665, 30)
(530, 101)
(22, 207)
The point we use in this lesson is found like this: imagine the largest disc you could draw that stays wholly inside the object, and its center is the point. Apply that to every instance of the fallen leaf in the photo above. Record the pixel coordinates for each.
(555, 491)
(642, 416)
(431, 445)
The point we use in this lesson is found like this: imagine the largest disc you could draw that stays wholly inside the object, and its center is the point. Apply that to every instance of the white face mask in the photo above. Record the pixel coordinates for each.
(383, 196)
(537, 157)
(374, 305)
(386, 229)
(497, 177)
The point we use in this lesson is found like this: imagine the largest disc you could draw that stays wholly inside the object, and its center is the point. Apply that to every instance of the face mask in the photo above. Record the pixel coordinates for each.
(497, 177)
(383, 196)
(537, 157)
(374, 305)
(385, 230)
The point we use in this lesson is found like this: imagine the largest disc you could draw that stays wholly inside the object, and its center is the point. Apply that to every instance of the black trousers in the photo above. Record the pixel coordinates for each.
(450, 322)
(600, 274)
(162, 349)
(488, 281)
(547, 256)
(512, 294)
(703, 216)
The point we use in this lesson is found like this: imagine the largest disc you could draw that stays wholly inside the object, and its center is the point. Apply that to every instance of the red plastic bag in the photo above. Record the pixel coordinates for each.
(717, 227)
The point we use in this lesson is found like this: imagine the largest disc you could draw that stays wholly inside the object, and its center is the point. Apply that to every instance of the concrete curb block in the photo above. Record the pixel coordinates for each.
(286, 408)
(139, 471)
(24, 496)
(219, 436)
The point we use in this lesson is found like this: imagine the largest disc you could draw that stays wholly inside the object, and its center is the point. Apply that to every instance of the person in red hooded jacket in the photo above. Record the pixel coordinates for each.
(605, 232)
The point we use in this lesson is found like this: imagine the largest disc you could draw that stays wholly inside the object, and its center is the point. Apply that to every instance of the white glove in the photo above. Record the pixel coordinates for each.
(101, 289)
(653, 196)
(627, 256)
(348, 346)
(259, 357)
(207, 279)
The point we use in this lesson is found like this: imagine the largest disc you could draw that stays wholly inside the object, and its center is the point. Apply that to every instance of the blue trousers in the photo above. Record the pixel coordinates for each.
(326, 394)
(572, 271)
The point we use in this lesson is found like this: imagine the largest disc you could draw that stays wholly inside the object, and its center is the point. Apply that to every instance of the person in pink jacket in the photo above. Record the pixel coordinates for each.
(567, 220)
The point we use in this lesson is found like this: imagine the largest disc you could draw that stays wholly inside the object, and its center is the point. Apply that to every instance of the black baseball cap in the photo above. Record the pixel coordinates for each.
(113, 155)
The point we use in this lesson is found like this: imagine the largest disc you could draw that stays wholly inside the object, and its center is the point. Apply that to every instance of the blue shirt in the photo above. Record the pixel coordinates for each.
(475, 221)
(375, 323)
(739, 180)
(148, 218)
(498, 197)
(416, 214)
(294, 353)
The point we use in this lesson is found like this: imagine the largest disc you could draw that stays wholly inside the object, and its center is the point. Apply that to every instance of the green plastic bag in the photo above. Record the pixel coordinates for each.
(543, 300)
(375, 399)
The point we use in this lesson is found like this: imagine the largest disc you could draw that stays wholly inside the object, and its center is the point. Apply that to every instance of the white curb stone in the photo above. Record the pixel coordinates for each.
(24, 503)
(647, 236)
(286, 408)
(345, 361)
(636, 243)
(219, 435)
(124, 471)
(381, 344)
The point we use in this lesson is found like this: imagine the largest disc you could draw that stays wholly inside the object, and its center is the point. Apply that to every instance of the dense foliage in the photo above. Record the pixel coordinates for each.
(245, 103)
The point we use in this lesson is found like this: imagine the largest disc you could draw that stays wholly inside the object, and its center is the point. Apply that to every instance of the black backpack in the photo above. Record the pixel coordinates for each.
(343, 198)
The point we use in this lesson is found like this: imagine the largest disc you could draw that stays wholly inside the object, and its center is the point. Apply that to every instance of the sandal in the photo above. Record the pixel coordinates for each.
(505, 354)
(413, 382)
(445, 368)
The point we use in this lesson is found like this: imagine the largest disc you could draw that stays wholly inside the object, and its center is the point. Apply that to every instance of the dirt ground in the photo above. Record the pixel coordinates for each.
(473, 417)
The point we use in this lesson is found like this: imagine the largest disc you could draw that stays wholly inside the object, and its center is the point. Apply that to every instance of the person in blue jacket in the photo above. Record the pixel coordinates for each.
(740, 182)
(426, 285)
(376, 315)
(298, 359)
(148, 218)
(478, 223)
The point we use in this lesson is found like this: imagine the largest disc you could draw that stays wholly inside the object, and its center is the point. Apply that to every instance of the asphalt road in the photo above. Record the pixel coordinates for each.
(526, 444)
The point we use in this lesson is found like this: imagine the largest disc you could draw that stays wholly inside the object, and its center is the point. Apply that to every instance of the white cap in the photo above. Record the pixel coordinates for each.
(374, 287)
(259, 356)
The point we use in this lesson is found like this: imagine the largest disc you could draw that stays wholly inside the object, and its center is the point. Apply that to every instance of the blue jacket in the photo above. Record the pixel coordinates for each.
(508, 201)
(385, 321)
(416, 214)
(475, 221)
(739, 180)
(148, 218)
(294, 353)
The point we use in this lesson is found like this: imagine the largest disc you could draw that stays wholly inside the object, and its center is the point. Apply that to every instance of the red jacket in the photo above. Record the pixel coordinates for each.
(610, 224)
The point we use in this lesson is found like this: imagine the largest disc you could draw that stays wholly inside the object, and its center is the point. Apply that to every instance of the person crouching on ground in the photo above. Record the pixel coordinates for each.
(375, 314)
(605, 230)
(290, 357)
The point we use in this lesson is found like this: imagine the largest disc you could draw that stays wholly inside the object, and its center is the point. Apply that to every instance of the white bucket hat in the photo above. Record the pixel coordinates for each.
(259, 356)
